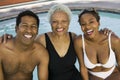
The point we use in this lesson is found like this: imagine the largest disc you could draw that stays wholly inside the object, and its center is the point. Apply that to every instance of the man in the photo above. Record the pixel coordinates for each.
(20, 55)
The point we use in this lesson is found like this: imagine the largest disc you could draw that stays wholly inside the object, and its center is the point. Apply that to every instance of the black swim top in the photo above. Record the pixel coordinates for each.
(62, 68)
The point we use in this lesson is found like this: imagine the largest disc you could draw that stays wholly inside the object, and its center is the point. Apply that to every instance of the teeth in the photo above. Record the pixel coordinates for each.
(28, 36)
(89, 31)
(60, 29)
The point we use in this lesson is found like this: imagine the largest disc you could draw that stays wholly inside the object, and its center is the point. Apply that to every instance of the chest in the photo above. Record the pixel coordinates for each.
(57, 62)
(61, 47)
(98, 53)
(14, 63)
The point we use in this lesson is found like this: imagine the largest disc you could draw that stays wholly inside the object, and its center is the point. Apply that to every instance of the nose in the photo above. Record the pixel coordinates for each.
(87, 26)
(29, 29)
(59, 24)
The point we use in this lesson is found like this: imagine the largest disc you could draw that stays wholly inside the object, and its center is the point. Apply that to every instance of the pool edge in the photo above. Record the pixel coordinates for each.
(108, 6)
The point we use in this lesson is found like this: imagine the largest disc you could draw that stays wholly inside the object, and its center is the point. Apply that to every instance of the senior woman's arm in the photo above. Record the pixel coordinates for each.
(79, 52)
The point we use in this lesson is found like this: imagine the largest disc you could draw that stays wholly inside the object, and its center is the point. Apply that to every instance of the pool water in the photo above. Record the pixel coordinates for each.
(108, 20)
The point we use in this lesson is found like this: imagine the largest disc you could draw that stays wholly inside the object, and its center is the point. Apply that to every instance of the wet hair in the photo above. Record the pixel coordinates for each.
(91, 11)
(26, 13)
(59, 7)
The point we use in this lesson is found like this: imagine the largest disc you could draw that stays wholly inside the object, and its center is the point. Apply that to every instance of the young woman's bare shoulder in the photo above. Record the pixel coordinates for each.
(115, 41)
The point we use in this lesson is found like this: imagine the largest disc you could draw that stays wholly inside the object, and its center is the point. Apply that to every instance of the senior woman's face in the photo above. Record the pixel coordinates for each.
(60, 22)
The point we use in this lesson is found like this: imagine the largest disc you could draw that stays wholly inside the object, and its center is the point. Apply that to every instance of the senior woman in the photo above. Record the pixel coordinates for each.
(59, 44)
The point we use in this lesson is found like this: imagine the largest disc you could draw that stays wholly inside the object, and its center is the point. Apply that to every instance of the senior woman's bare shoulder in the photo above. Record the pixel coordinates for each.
(41, 39)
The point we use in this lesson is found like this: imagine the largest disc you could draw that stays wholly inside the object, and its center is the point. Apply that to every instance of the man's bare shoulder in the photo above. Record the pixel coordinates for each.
(38, 45)
(40, 52)
(7, 50)
(40, 49)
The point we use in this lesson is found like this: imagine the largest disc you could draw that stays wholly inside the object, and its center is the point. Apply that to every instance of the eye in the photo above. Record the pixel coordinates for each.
(54, 22)
(64, 21)
(24, 25)
(34, 26)
(83, 24)
(91, 21)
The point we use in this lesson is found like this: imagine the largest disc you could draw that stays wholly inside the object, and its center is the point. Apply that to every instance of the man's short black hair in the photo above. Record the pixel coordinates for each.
(26, 13)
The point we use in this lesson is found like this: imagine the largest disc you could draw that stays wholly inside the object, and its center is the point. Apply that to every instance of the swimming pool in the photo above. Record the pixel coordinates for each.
(108, 20)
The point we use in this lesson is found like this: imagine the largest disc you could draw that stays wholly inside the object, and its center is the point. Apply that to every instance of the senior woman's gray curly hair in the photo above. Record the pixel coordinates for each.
(59, 7)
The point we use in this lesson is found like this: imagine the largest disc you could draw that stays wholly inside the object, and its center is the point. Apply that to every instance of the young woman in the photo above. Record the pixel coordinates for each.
(97, 53)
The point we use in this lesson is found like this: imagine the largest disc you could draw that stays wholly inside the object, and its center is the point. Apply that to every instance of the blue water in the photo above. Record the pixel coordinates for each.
(108, 20)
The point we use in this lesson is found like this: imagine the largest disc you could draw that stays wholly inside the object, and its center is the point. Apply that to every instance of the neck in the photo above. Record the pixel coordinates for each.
(22, 47)
(59, 37)
(96, 39)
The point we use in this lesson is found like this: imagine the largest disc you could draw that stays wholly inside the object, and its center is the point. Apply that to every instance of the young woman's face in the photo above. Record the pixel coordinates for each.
(60, 22)
(89, 25)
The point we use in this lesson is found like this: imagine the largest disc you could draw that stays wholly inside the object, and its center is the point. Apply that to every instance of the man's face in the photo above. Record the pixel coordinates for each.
(27, 29)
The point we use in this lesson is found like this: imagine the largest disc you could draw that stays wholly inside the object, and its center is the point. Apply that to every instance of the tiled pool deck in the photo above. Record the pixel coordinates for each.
(10, 11)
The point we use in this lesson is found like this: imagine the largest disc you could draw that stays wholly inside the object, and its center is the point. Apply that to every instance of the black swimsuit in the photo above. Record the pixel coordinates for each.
(62, 68)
